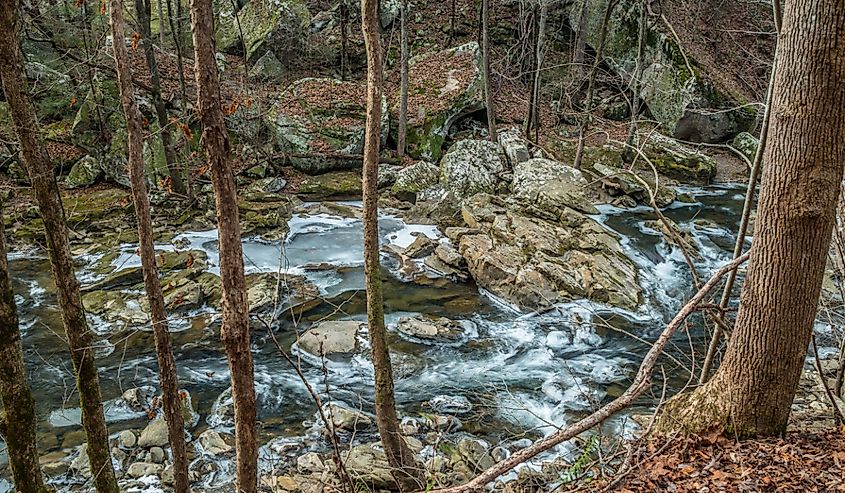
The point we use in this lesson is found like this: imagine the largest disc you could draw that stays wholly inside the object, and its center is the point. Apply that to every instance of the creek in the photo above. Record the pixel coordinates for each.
(519, 373)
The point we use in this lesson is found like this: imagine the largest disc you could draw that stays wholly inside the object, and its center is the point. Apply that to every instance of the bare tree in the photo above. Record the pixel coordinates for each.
(584, 123)
(405, 470)
(533, 120)
(40, 169)
(234, 332)
(19, 426)
(403, 85)
(485, 69)
(143, 11)
(167, 367)
(752, 391)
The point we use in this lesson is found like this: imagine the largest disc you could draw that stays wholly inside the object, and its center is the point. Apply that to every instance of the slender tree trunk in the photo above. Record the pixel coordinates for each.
(452, 12)
(406, 471)
(143, 11)
(485, 67)
(175, 20)
(403, 90)
(167, 367)
(533, 121)
(344, 39)
(40, 169)
(161, 24)
(14, 389)
(234, 332)
(628, 154)
(752, 391)
(584, 125)
(579, 53)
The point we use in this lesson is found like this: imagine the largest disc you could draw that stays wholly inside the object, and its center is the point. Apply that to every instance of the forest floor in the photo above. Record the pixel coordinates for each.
(811, 461)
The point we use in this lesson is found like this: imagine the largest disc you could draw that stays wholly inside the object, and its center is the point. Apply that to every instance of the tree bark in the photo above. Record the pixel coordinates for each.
(234, 332)
(14, 389)
(533, 120)
(143, 11)
(403, 89)
(46, 190)
(584, 124)
(405, 470)
(485, 67)
(752, 392)
(172, 404)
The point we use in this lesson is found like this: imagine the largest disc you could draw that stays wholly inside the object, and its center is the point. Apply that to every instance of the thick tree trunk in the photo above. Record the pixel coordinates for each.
(143, 12)
(167, 367)
(234, 332)
(485, 68)
(14, 389)
(46, 189)
(752, 392)
(403, 88)
(407, 473)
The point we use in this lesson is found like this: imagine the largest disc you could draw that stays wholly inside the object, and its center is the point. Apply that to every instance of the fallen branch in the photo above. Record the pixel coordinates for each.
(641, 382)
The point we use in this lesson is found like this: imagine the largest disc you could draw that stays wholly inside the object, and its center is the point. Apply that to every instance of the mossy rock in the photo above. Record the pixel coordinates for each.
(320, 124)
(683, 101)
(280, 26)
(443, 86)
(344, 184)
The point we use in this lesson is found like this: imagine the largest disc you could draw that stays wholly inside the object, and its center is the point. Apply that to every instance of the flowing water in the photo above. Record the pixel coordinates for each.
(520, 372)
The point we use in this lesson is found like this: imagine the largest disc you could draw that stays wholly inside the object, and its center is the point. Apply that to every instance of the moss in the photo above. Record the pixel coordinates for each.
(331, 185)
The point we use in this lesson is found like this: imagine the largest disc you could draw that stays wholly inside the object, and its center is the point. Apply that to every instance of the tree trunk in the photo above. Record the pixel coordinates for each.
(172, 404)
(161, 24)
(14, 389)
(403, 89)
(46, 190)
(752, 392)
(234, 332)
(584, 124)
(579, 53)
(629, 153)
(406, 471)
(344, 39)
(143, 11)
(533, 120)
(485, 67)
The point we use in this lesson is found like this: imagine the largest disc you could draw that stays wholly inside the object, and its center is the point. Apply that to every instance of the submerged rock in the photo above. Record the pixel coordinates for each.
(213, 443)
(450, 404)
(430, 329)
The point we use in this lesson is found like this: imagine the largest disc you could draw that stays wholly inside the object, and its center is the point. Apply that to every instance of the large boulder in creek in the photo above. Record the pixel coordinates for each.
(330, 339)
(320, 123)
(471, 167)
(442, 87)
(534, 258)
(551, 185)
(688, 106)
(259, 26)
